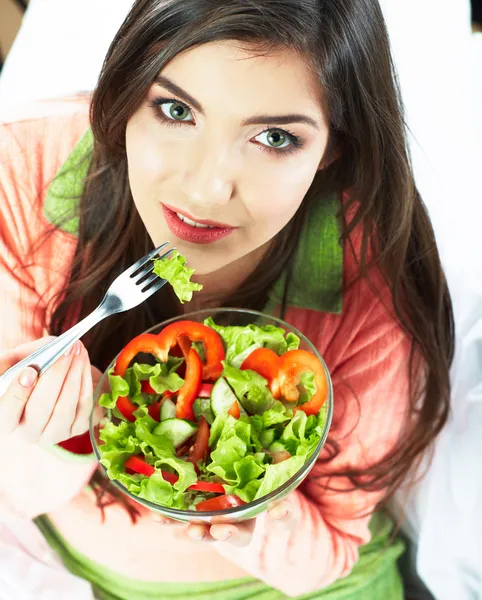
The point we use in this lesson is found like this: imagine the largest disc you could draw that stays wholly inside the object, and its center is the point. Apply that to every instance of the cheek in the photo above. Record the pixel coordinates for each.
(277, 190)
(148, 161)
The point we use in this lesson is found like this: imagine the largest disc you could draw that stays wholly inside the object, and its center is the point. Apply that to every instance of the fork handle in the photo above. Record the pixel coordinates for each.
(44, 357)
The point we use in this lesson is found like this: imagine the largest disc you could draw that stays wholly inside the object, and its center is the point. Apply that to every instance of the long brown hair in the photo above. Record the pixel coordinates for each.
(346, 43)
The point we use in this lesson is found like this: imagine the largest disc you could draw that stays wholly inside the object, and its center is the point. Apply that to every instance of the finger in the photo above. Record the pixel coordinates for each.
(162, 520)
(85, 398)
(12, 403)
(284, 515)
(59, 426)
(199, 532)
(238, 535)
(41, 402)
(15, 355)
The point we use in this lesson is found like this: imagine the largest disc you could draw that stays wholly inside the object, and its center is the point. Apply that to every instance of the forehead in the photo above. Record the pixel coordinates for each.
(250, 80)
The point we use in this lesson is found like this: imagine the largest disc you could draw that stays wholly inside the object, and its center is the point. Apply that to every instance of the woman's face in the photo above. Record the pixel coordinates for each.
(223, 150)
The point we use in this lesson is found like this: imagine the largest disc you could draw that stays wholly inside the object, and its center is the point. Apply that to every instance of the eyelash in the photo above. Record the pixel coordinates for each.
(296, 141)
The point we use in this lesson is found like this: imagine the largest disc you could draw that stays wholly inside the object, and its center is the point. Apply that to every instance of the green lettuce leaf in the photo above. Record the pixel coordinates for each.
(250, 388)
(174, 270)
(278, 474)
(307, 386)
(302, 434)
(161, 376)
(160, 445)
(238, 339)
(119, 387)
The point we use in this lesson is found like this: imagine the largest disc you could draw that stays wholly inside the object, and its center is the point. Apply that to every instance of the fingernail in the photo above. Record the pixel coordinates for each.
(279, 514)
(28, 377)
(77, 348)
(68, 352)
(196, 535)
(159, 519)
(224, 537)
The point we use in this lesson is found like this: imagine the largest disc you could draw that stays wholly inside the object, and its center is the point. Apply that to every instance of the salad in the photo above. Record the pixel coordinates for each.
(220, 416)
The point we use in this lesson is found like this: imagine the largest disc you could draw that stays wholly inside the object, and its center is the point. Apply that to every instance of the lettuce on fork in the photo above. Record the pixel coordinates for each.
(174, 270)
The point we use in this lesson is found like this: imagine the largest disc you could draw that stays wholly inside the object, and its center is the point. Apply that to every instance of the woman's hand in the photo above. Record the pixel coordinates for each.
(238, 534)
(51, 408)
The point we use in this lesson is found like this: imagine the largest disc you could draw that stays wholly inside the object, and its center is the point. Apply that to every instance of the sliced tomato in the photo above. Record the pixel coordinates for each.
(126, 408)
(147, 343)
(137, 464)
(234, 410)
(292, 364)
(195, 332)
(219, 503)
(205, 390)
(146, 387)
(154, 410)
(200, 447)
(265, 362)
(189, 391)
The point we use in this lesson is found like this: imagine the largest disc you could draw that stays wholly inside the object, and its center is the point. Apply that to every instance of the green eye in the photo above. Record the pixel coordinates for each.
(274, 138)
(176, 111)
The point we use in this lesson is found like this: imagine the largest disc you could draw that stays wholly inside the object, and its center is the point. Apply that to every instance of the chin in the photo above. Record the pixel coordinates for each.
(202, 263)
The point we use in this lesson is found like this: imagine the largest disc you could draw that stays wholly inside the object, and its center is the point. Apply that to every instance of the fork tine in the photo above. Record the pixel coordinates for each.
(142, 261)
(154, 287)
(146, 282)
(147, 268)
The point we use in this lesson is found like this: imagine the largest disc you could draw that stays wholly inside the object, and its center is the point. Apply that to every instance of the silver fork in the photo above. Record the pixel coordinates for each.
(129, 289)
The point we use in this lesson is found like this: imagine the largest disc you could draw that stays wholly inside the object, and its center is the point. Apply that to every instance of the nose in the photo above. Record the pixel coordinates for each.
(208, 176)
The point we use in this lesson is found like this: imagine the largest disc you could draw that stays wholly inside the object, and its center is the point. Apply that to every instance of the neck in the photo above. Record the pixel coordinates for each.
(222, 283)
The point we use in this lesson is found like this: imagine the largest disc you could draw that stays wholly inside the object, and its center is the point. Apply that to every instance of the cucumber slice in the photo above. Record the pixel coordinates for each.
(240, 358)
(267, 437)
(276, 447)
(168, 410)
(177, 430)
(202, 408)
(223, 398)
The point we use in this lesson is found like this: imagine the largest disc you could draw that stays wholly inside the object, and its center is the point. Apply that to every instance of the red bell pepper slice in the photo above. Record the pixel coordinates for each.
(200, 447)
(146, 387)
(154, 411)
(206, 486)
(265, 362)
(195, 332)
(283, 375)
(205, 390)
(219, 503)
(126, 408)
(189, 391)
(79, 444)
(139, 465)
(146, 343)
(234, 410)
(291, 365)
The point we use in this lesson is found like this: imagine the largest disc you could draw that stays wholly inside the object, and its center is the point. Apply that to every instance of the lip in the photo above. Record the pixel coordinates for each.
(202, 221)
(194, 235)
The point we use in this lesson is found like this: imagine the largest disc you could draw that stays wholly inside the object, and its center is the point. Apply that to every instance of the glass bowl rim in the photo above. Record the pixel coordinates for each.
(177, 513)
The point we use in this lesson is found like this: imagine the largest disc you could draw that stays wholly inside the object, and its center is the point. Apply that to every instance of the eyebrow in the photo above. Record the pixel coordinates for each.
(166, 83)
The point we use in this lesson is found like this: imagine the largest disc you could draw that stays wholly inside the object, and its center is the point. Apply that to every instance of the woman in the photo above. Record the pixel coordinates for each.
(255, 137)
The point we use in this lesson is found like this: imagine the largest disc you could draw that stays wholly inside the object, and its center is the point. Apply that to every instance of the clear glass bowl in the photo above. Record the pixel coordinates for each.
(224, 316)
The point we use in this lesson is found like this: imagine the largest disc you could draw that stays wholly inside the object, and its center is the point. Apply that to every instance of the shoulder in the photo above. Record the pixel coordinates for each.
(34, 143)
(36, 140)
